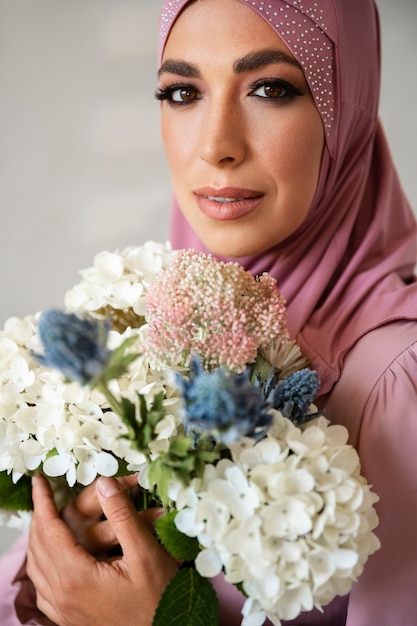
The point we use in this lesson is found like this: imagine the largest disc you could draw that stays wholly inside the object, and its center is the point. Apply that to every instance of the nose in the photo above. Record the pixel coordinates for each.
(222, 139)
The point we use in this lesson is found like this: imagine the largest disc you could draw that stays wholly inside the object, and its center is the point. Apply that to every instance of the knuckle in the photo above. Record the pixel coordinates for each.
(120, 513)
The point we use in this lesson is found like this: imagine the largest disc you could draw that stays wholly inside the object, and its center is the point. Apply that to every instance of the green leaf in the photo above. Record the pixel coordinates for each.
(15, 496)
(179, 545)
(188, 600)
(180, 446)
(159, 476)
(119, 362)
(128, 413)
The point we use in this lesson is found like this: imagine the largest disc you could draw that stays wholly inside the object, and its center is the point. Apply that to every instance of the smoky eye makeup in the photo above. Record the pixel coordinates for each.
(274, 89)
(178, 93)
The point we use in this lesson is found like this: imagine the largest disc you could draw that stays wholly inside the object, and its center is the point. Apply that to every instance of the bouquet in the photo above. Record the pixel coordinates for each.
(179, 367)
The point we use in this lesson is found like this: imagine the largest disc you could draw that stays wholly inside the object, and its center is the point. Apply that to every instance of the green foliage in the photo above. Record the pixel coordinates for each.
(183, 462)
(15, 496)
(188, 600)
(149, 418)
(119, 360)
(179, 545)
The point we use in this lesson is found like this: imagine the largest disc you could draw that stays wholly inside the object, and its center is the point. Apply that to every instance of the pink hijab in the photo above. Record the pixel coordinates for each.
(350, 266)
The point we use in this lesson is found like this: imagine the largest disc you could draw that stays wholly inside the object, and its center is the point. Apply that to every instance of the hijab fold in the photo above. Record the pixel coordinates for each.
(349, 268)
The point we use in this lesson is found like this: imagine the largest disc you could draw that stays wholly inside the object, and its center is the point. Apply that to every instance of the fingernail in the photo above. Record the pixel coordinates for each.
(108, 486)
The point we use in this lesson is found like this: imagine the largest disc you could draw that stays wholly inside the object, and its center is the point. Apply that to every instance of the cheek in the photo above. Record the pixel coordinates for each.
(170, 142)
(296, 157)
(178, 143)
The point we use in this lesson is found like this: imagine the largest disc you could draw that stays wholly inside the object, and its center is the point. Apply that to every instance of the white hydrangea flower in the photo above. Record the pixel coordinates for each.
(253, 614)
(209, 563)
(18, 520)
(65, 428)
(91, 463)
(289, 518)
(61, 464)
(120, 279)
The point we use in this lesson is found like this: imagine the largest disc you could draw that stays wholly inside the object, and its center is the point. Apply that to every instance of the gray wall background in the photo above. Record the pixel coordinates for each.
(81, 162)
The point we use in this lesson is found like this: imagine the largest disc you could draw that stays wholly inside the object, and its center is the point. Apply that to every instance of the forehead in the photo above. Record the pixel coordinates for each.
(214, 31)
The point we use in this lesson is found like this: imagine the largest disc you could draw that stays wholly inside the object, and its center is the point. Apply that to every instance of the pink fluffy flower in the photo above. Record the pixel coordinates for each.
(214, 309)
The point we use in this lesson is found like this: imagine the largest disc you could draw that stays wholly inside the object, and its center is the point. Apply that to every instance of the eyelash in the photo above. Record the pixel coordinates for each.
(166, 93)
(290, 92)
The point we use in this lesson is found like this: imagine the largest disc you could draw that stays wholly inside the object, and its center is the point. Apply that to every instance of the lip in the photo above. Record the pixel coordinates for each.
(227, 203)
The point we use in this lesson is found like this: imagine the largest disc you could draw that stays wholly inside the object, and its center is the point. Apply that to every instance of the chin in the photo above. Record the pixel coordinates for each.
(240, 238)
(233, 250)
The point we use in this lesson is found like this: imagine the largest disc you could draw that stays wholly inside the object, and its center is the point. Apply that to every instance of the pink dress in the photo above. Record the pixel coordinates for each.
(376, 398)
(17, 595)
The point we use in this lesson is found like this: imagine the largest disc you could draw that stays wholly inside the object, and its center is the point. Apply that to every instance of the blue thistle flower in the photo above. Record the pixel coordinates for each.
(224, 404)
(75, 346)
(294, 394)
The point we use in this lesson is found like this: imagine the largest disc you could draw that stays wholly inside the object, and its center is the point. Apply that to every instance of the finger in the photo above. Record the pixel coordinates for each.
(56, 564)
(129, 481)
(86, 504)
(101, 537)
(132, 534)
(84, 516)
(43, 499)
(50, 539)
(44, 517)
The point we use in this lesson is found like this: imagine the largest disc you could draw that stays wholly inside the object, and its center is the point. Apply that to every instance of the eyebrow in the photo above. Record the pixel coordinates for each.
(248, 63)
(262, 58)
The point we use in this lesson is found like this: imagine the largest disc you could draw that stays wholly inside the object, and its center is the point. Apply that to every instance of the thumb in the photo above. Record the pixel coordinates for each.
(123, 517)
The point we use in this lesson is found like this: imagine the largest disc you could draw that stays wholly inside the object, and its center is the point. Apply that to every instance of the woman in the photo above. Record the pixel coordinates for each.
(269, 120)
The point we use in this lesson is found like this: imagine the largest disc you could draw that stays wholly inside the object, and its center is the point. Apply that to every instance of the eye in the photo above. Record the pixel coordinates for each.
(183, 94)
(178, 94)
(274, 90)
(270, 91)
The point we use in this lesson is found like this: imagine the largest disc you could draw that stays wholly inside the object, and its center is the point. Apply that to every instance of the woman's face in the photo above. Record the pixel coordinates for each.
(242, 134)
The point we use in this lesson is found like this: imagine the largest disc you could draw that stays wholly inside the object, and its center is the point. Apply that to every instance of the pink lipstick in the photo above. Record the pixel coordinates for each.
(226, 203)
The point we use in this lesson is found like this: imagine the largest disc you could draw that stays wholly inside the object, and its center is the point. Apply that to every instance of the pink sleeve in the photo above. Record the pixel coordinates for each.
(380, 410)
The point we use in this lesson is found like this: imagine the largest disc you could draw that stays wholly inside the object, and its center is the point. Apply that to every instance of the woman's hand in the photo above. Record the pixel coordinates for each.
(73, 587)
(84, 516)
